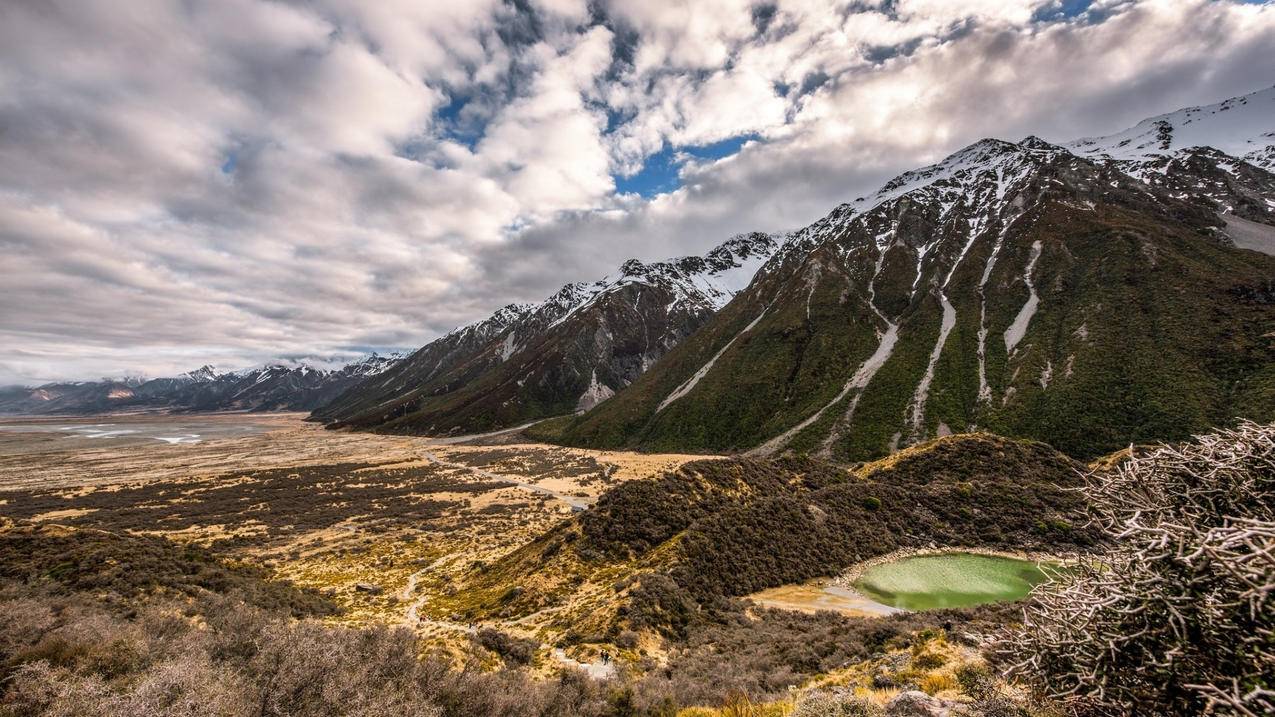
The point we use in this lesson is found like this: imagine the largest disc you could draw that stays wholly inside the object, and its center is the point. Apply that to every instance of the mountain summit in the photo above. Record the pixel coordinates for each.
(1088, 295)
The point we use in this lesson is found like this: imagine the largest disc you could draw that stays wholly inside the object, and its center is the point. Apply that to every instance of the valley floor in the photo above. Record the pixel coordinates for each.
(381, 524)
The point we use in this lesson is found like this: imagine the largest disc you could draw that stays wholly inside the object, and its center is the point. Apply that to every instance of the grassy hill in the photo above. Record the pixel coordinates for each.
(654, 554)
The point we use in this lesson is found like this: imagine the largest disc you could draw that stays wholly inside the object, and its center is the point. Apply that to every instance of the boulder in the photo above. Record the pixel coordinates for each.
(368, 588)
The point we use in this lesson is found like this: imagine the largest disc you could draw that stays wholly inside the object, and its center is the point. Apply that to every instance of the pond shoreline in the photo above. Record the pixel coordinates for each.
(847, 578)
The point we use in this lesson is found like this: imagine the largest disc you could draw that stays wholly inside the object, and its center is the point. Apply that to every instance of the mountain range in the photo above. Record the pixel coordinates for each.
(1089, 294)
(274, 387)
(567, 353)
(1092, 294)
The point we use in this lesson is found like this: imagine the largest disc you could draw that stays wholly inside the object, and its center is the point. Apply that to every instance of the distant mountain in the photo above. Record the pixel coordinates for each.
(275, 387)
(1088, 295)
(565, 354)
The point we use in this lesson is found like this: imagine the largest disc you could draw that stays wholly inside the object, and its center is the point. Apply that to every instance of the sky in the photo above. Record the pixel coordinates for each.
(237, 181)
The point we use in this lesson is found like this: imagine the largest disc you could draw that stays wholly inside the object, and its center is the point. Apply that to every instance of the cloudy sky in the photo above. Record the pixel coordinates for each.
(235, 181)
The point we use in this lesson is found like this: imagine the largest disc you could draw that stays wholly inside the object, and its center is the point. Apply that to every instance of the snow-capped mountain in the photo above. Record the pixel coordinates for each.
(1242, 127)
(274, 387)
(1196, 152)
(1089, 295)
(566, 353)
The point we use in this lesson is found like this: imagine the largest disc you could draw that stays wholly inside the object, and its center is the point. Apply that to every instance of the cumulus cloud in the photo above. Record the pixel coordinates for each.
(240, 180)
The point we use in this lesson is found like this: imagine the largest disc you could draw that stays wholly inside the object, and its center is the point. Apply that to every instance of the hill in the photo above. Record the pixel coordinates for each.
(655, 554)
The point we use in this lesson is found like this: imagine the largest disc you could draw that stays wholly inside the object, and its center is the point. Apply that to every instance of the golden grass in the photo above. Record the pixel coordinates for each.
(742, 706)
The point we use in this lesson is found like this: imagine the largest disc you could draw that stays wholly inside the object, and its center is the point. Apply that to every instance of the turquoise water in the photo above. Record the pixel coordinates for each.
(930, 582)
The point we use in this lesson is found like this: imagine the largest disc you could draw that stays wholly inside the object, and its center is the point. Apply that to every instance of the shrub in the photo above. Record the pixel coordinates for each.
(1177, 618)
(513, 650)
(826, 704)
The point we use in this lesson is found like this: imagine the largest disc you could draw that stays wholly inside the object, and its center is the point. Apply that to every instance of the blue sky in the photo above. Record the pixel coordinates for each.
(660, 172)
(315, 179)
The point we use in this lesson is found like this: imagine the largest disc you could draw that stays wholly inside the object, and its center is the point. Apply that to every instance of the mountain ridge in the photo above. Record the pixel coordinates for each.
(566, 353)
(983, 243)
(271, 387)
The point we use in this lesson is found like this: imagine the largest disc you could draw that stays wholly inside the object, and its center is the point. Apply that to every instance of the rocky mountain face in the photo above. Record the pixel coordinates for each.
(1089, 295)
(563, 355)
(276, 387)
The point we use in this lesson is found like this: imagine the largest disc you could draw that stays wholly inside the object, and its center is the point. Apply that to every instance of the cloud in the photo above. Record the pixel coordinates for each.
(239, 180)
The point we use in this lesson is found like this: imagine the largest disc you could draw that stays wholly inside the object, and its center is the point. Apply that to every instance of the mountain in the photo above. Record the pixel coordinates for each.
(1088, 295)
(565, 354)
(275, 387)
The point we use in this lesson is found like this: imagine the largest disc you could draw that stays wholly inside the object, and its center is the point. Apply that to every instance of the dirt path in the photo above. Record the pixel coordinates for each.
(597, 669)
(453, 440)
(412, 618)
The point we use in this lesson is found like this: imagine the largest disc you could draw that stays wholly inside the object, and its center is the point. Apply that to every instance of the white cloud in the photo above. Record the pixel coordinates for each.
(237, 180)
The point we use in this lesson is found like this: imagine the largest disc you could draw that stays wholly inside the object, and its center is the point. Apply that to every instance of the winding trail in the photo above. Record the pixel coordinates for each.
(597, 669)
(412, 617)
(453, 440)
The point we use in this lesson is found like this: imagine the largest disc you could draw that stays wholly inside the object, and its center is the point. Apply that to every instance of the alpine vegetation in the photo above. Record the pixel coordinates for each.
(1179, 616)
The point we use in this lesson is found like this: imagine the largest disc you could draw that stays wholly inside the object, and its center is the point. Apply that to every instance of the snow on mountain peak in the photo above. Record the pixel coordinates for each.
(710, 280)
(962, 170)
(1241, 127)
(202, 374)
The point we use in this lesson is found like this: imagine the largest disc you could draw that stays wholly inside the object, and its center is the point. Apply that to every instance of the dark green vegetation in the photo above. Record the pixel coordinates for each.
(104, 624)
(123, 570)
(284, 502)
(743, 526)
(1149, 324)
(682, 544)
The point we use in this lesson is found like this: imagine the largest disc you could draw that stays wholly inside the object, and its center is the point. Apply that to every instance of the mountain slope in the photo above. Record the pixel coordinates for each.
(565, 354)
(1016, 287)
(275, 387)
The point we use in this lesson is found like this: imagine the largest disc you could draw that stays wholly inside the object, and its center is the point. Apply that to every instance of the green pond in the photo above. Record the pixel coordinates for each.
(929, 582)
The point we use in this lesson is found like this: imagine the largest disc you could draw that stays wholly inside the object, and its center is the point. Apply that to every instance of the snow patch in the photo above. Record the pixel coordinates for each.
(689, 383)
(1018, 328)
(508, 347)
(1247, 234)
(1235, 126)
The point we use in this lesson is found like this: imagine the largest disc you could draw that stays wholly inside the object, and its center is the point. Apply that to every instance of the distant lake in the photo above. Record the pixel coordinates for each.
(929, 582)
(173, 430)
